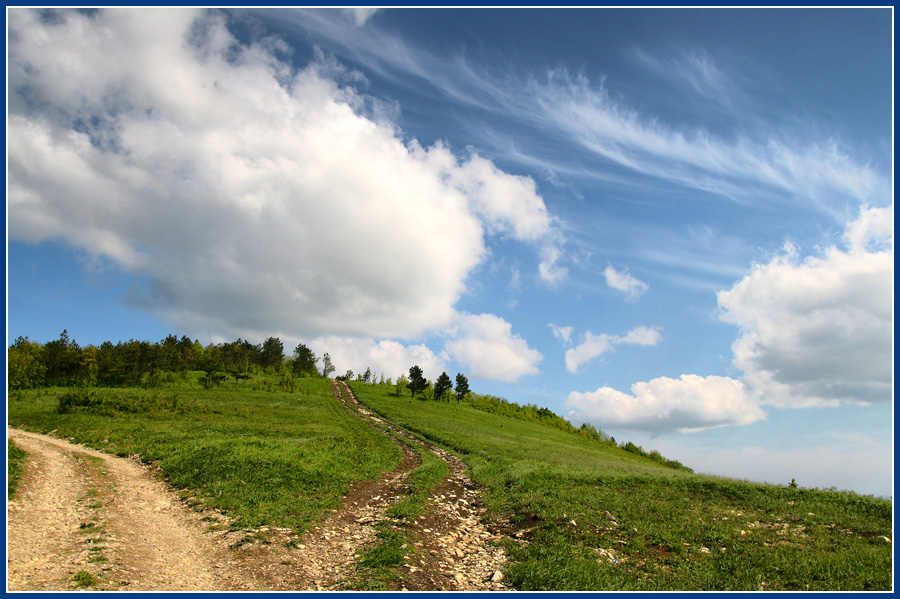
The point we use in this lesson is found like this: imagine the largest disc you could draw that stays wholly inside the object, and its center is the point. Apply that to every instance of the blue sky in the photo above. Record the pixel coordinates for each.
(676, 224)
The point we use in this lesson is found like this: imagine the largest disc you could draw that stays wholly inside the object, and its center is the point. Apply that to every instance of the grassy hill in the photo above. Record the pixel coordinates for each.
(580, 513)
(672, 530)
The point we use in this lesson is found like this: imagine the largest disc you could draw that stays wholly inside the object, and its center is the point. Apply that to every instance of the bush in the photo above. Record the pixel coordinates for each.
(69, 400)
(635, 449)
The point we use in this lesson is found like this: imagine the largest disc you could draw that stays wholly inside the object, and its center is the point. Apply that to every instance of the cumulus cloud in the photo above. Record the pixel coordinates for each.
(624, 282)
(253, 196)
(593, 345)
(387, 357)
(813, 332)
(485, 347)
(873, 230)
(689, 403)
(819, 331)
(482, 345)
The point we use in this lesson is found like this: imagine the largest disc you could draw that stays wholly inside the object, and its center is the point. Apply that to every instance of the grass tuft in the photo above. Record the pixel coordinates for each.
(15, 460)
(84, 579)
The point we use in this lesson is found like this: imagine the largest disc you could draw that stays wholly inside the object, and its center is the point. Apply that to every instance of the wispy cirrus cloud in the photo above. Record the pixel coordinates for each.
(819, 173)
(757, 164)
(360, 14)
(694, 72)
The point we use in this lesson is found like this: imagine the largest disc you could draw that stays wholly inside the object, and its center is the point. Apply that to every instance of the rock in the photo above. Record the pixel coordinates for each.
(497, 577)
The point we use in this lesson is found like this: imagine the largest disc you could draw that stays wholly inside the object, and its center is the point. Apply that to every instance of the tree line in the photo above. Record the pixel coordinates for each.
(63, 362)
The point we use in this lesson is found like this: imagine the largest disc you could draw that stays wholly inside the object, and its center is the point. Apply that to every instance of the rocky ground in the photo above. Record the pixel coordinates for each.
(454, 549)
(85, 519)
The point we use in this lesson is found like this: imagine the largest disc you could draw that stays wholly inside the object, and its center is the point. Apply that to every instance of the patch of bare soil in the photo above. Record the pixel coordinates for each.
(83, 518)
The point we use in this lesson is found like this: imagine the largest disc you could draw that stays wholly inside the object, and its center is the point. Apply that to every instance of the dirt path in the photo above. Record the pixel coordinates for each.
(78, 510)
(453, 550)
(85, 519)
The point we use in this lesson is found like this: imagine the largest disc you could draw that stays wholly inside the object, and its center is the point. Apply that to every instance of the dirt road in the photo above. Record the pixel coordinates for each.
(78, 510)
(85, 519)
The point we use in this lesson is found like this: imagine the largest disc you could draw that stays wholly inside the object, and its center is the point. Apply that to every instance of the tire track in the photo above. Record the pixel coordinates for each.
(453, 547)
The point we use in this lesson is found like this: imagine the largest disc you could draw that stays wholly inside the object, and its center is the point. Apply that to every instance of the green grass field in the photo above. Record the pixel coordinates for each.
(263, 457)
(584, 515)
(673, 530)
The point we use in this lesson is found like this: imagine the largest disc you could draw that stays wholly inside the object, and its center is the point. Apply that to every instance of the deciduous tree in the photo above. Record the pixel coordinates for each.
(304, 361)
(25, 367)
(272, 353)
(327, 366)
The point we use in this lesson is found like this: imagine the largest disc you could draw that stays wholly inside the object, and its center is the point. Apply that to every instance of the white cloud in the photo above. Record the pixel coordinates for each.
(507, 203)
(640, 336)
(688, 404)
(755, 165)
(593, 345)
(873, 230)
(818, 331)
(744, 169)
(550, 270)
(254, 197)
(624, 282)
(484, 346)
(590, 347)
(387, 357)
(697, 74)
(562, 334)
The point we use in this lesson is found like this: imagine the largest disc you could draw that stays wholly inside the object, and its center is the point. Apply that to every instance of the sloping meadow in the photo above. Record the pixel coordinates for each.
(577, 512)
(581, 514)
(263, 457)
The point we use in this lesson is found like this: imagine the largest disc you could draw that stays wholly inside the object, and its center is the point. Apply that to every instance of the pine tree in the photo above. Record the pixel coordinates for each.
(417, 380)
(462, 387)
(441, 386)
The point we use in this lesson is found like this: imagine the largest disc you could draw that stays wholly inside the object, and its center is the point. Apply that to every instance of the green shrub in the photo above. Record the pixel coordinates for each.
(69, 400)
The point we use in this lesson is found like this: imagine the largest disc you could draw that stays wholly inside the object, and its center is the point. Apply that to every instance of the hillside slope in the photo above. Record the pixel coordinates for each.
(569, 512)
(591, 516)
